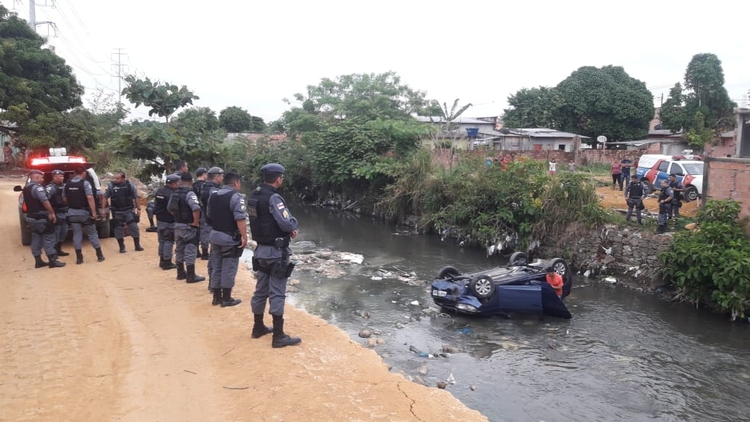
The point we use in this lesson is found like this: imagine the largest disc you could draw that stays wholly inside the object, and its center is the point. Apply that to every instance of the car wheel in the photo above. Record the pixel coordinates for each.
(25, 237)
(518, 259)
(691, 194)
(447, 272)
(560, 267)
(102, 230)
(482, 287)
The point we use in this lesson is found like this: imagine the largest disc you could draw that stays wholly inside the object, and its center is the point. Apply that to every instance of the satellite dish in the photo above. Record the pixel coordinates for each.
(602, 139)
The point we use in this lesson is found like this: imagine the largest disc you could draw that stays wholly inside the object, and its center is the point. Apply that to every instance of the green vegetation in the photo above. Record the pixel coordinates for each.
(712, 263)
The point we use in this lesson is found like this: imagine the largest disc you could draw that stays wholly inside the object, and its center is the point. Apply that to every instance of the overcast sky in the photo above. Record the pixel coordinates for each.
(253, 54)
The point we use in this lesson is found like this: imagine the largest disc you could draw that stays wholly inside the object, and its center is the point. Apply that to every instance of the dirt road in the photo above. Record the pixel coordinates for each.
(123, 340)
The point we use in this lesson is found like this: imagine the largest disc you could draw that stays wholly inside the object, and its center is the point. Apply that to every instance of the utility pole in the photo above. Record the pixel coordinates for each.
(32, 15)
(119, 65)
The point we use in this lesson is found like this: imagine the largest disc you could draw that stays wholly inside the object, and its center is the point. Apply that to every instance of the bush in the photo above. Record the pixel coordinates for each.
(712, 264)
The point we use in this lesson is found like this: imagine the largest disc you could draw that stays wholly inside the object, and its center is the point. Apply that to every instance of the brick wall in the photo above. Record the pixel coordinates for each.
(599, 156)
(728, 178)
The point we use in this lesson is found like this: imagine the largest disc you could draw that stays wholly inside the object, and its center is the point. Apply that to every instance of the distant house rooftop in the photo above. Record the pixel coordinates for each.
(459, 120)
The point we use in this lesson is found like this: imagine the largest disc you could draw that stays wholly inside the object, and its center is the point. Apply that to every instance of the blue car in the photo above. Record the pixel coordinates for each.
(519, 287)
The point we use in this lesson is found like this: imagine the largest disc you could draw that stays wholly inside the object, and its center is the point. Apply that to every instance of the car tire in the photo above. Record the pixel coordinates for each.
(560, 267)
(482, 287)
(518, 259)
(446, 272)
(25, 237)
(691, 194)
(102, 230)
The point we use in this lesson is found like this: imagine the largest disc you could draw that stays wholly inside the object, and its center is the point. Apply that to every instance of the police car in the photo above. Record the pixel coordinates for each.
(58, 159)
(653, 168)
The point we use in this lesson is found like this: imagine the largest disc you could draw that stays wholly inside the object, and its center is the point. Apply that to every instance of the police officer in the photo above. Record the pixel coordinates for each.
(228, 239)
(211, 186)
(181, 168)
(634, 198)
(41, 219)
(79, 196)
(151, 213)
(677, 188)
(200, 178)
(123, 199)
(165, 221)
(55, 195)
(665, 205)
(185, 207)
(272, 227)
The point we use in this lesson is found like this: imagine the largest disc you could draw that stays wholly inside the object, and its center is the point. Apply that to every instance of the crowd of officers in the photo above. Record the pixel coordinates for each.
(204, 218)
(670, 200)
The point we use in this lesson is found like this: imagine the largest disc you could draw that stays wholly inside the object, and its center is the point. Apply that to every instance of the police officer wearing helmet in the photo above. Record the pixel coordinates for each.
(272, 227)
(185, 207)
(123, 199)
(41, 219)
(55, 194)
(211, 186)
(200, 178)
(165, 222)
(226, 209)
(79, 196)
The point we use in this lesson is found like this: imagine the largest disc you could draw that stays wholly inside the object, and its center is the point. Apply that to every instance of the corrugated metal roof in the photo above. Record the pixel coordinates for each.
(533, 133)
(729, 134)
(460, 120)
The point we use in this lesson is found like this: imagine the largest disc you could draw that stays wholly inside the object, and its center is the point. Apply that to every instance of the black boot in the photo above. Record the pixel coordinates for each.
(137, 244)
(121, 242)
(39, 262)
(204, 253)
(259, 330)
(191, 277)
(79, 257)
(181, 274)
(217, 297)
(59, 250)
(54, 263)
(99, 254)
(227, 299)
(166, 264)
(280, 339)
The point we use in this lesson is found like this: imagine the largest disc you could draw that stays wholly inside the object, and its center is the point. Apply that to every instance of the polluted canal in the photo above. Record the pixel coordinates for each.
(624, 356)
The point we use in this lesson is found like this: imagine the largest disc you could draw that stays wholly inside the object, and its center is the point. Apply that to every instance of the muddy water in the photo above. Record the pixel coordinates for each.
(624, 356)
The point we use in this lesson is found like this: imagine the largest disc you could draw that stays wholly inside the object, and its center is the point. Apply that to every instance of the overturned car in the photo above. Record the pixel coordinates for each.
(519, 287)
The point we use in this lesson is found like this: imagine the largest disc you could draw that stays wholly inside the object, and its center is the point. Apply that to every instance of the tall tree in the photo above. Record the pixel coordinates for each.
(235, 119)
(533, 108)
(605, 101)
(199, 120)
(151, 141)
(36, 85)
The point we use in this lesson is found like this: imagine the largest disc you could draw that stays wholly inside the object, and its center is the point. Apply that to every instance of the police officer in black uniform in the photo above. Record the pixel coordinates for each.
(185, 207)
(666, 195)
(79, 196)
(200, 179)
(211, 186)
(165, 222)
(272, 227)
(677, 188)
(228, 239)
(181, 168)
(634, 198)
(123, 198)
(41, 219)
(55, 194)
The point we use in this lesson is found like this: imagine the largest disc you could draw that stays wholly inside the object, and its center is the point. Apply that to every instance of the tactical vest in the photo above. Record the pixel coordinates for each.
(122, 197)
(197, 185)
(76, 194)
(264, 228)
(56, 200)
(161, 200)
(663, 195)
(180, 208)
(206, 190)
(677, 195)
(33, 205)
(636, 190)
(221, 215)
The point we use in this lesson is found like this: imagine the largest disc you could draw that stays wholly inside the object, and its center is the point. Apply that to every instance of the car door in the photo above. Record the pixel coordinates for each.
(677, 170)
(662, 173)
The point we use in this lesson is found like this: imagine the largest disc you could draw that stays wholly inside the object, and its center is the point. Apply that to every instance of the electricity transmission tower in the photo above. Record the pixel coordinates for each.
(33, 23)
(119, 64)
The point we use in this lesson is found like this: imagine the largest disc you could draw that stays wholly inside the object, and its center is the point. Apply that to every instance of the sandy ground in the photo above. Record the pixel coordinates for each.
(615, 199)
(123, 340)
